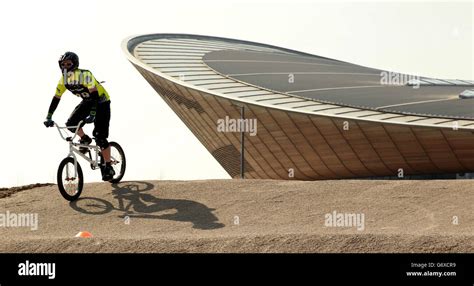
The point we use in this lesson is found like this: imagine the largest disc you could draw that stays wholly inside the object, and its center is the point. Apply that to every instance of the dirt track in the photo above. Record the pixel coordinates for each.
(272, 216)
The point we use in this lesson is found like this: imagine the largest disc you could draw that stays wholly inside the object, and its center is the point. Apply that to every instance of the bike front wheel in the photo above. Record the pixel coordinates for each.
(70, 179)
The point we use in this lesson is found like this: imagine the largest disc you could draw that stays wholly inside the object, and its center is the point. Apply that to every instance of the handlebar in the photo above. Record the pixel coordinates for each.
(60, 128)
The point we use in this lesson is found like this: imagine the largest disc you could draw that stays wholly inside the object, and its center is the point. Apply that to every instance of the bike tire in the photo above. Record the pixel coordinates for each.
(80, 180)
(121, 172)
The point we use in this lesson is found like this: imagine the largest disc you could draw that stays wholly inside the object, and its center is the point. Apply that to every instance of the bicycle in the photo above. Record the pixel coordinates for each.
(70, 177)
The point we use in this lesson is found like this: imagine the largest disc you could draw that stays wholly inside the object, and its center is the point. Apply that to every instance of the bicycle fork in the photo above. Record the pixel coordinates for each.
(71, 154)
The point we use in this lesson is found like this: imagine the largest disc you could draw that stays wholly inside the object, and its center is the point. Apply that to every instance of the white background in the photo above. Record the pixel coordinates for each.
(427, 38)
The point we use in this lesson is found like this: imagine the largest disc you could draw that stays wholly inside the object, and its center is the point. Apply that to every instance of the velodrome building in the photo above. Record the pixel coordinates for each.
(272, 113)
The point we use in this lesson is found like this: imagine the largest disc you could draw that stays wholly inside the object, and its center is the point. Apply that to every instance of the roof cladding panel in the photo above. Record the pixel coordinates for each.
(244, 55)
(339, 83)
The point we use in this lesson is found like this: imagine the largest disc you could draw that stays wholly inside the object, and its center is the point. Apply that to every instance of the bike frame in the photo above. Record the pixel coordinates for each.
(74, 147)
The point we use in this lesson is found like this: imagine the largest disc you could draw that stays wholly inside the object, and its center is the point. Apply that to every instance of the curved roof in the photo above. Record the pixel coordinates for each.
(274, 77)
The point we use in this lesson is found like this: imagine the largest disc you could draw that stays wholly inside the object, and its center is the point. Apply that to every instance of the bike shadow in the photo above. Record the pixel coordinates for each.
(134, 201)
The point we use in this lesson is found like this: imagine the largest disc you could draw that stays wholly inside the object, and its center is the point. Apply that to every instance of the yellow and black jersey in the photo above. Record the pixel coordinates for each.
(81, 82)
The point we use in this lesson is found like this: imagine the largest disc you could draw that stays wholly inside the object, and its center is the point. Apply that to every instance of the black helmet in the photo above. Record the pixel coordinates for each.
(72, 57)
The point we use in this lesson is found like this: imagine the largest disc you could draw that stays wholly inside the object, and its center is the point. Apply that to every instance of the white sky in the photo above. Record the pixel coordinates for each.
(427, 38)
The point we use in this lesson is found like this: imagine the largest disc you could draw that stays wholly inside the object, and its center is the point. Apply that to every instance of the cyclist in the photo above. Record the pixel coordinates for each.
(94, 107)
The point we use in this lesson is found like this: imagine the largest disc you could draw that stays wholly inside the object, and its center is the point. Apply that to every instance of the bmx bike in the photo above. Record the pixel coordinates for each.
(70, 177)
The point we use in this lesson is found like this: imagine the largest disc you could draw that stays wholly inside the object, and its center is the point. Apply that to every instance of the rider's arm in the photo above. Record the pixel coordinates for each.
(53, 106)
(60, 89)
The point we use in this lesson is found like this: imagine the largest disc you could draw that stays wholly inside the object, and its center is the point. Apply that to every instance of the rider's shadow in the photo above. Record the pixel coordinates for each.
(134, 202)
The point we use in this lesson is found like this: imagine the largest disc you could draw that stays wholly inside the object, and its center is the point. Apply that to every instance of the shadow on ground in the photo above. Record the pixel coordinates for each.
(132, 200)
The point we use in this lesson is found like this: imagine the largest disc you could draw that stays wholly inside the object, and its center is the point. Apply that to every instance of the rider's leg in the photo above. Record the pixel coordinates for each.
(101, 132)
(85, 140)
(106, 154)
(80, 132)
(101, 128)
(79, 113)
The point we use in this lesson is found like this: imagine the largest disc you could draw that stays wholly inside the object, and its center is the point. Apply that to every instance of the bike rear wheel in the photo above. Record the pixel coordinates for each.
(118, 161)
(70, 180)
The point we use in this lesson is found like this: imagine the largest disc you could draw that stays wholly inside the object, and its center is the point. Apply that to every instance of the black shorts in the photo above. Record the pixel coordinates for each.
(102, 117)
